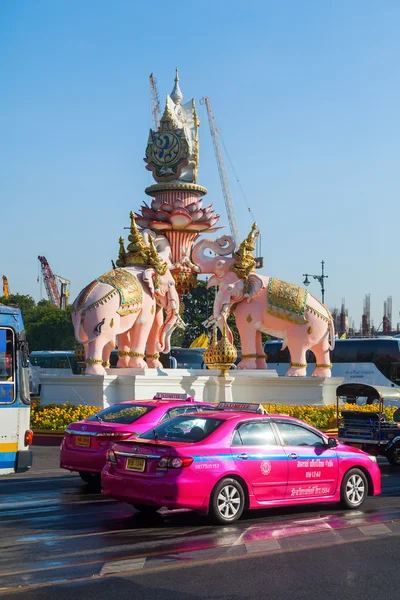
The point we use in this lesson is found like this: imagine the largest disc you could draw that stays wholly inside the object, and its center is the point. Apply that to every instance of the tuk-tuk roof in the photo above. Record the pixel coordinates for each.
(375, 392)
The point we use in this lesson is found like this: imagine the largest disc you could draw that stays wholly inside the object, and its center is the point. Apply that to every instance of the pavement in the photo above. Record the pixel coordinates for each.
(61, 538)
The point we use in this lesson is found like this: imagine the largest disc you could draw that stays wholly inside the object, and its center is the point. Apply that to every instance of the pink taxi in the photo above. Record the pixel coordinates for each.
(86, 442)
(235, 458)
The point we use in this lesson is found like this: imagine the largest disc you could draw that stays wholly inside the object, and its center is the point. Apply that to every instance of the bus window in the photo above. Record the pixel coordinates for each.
(6, 355)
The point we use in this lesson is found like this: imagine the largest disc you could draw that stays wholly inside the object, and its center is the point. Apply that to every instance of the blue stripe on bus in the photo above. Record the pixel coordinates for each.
(7, 460)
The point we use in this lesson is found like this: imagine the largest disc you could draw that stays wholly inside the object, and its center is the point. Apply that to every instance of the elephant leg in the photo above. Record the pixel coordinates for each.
(298, 363)
(94, 359)
(323, 367)
(124, 346)
(152, 356)
(139, 335)
(106, 354)
(249, 347)
(261, 361)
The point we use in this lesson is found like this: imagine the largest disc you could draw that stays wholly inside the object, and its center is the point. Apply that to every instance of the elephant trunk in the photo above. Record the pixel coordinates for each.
(222, 247)
(167, 327)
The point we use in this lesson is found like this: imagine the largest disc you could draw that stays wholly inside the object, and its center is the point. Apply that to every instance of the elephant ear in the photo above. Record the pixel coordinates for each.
(255, 284)
(212, 281)
(148, 277)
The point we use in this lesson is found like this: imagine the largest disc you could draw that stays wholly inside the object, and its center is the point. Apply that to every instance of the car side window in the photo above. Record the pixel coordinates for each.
(295, 435)
(177, 410)
(254, 434)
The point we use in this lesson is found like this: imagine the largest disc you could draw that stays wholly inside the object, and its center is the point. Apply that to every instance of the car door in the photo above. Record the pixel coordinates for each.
(312, 466)
(261, 459)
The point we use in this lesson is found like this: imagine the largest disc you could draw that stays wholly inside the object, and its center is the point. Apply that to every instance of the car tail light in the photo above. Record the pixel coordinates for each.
(111, 457)
(113, 436)
(28, 437)
(179, 462)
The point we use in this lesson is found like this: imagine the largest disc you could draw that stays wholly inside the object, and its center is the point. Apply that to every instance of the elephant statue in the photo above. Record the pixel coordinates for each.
(127, 303)
(265, 304)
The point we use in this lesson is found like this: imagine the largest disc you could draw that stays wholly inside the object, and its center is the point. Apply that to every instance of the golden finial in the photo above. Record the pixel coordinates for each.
(245, 261)
(121, 254)
(138, 252)
(220, 354)
(167, 122)
(155, 260)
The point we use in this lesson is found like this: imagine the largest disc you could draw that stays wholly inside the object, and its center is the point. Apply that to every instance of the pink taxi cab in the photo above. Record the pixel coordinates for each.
(233, 459)
(86, 442)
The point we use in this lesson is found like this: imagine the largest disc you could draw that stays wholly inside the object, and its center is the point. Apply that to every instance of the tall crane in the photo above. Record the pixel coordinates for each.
(6, 289)
(221, 170)
(155, 103)
(50, 282)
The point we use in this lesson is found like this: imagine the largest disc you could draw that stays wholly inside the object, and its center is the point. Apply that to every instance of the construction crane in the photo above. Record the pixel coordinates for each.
(155, 111)
(6, 289)
(221, 170)
(55, 296)
(155, 103)
(64, 293)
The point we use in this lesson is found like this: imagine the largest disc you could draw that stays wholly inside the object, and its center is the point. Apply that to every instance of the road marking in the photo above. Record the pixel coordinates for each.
(119, 566)
(377, 529)
(262, 546)
(179, 565)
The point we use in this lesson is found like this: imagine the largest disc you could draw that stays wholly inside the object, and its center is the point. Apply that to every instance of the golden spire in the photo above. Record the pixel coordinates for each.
(154, 259)
(167, 122)
(137, 250)
(245, 261)
(121, 253)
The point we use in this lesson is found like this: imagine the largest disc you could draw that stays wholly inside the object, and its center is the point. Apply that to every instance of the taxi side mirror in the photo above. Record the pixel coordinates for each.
(332, 442)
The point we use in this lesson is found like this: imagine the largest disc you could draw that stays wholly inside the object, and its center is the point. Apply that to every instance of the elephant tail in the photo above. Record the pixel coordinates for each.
(77, 330)
(331, 335)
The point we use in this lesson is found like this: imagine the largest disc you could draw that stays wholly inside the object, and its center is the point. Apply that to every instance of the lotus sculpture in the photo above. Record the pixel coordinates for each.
(162, 216)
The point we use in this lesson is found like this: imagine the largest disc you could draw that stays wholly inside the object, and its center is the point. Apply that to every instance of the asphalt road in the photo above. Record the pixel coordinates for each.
(59, 537)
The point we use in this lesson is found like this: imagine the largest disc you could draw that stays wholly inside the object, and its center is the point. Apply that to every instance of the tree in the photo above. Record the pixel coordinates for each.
(198, 305)
(47, 327)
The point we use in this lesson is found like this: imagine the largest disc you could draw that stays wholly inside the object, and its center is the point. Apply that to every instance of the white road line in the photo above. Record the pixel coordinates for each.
(377, 529)
(262, 546)
(119, 566)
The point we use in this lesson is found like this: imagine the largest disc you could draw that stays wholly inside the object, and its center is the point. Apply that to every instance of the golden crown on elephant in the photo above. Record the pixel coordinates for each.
(245, 261)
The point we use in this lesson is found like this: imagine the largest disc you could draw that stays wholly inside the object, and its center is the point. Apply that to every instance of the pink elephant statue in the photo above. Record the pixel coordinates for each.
(265, 304)
(127, 303)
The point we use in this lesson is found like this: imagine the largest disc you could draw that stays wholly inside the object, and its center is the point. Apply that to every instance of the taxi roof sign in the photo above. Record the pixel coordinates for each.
(242, 407)
(172, 396)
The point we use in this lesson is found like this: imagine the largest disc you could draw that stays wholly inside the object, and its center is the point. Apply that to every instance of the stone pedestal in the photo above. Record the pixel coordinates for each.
(140, 384)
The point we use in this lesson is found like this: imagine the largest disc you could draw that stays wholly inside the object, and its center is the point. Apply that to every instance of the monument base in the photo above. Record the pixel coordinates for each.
(142, 384)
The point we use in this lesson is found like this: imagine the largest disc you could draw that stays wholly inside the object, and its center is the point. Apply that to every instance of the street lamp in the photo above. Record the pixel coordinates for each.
(319, 278)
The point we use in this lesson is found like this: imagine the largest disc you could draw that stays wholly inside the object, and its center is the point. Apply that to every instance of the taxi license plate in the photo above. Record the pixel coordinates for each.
(135, 464)
(83, 440)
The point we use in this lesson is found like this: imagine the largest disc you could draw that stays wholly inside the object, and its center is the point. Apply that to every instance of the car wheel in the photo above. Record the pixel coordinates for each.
(91, 478)
(227, 501)
(393, 454)
(146, 508)
(354, 489)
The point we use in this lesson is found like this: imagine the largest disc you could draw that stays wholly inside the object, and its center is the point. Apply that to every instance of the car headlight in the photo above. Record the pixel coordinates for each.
(372, 458)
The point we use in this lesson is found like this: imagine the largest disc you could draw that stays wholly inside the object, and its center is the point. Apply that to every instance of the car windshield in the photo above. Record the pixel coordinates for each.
(121, 413)
(184, 429)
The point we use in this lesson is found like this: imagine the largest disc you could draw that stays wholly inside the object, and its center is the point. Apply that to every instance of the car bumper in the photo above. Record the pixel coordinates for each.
(80, 460)
(153, 491)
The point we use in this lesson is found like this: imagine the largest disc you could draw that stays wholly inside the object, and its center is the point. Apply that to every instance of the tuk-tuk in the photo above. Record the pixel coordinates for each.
(369, 430)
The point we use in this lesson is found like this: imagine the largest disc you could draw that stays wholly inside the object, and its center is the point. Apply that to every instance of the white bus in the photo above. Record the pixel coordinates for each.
(373, 361)
(49, 362)
(15, 435)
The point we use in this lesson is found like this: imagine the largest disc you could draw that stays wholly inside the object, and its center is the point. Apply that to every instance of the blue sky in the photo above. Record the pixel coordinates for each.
(307, 98)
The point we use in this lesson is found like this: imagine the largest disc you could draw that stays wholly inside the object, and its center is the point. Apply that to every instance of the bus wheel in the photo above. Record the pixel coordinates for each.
(393, 454)
(91, 478)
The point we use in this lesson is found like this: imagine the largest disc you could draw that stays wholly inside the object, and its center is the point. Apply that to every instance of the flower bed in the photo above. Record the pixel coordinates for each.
(56, 417)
